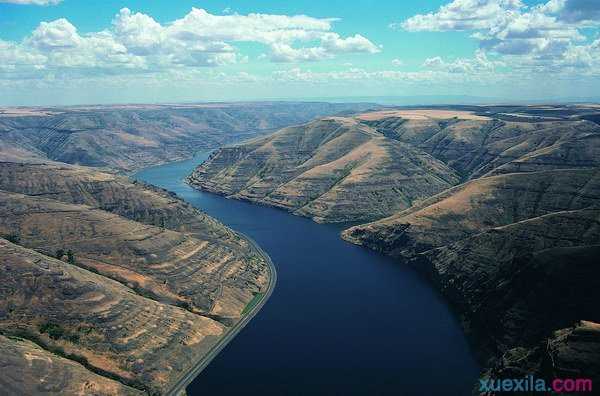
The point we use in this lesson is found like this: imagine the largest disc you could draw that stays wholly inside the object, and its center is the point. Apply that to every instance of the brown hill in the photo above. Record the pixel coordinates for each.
(99, 322)
(28, 369)
(331, 170)
(145, 285)
(206, 276)
(130, 137)
(479, 205)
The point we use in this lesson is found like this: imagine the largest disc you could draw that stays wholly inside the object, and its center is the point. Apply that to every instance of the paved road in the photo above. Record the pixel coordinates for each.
(188, 377)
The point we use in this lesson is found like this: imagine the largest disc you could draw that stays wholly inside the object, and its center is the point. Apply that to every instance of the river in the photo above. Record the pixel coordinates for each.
(342, 320)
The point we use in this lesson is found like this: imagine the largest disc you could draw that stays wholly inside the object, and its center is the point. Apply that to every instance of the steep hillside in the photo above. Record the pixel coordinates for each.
(101, 323)
(28, 369)
(208, 277)
(331, 170)
(476, 146)
(107, 191)
(479, 205)
(115, 278)
(514, 286)
(130, 137)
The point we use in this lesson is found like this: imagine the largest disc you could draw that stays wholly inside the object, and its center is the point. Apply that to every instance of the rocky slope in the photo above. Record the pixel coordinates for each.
(121, 277)
(332, 170)
(130, 137)
(515, 247)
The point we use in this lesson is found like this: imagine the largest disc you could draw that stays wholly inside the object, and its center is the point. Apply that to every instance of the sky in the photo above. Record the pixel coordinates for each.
(55, 52)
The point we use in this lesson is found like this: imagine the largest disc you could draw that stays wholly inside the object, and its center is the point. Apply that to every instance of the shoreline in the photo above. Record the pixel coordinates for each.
(190, 375)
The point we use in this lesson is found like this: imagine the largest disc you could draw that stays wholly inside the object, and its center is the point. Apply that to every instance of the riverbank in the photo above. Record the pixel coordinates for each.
(188, 377)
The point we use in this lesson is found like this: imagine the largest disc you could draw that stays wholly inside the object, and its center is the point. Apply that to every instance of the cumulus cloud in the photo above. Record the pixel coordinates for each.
(540, 35)
(479, 64)
(32, 2)
(136, 41)
(573, 11)
(397, 62)
(464, 15)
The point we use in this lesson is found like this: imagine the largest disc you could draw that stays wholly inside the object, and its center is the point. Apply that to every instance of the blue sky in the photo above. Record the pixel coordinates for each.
(78, 51)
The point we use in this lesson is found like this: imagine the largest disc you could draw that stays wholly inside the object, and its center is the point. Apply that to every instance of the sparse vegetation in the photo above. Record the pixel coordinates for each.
(255, 300)
(71, 257)
(53, 330)
(13, 238)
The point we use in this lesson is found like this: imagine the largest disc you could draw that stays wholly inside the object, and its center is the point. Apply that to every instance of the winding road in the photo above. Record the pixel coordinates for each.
(179, 387)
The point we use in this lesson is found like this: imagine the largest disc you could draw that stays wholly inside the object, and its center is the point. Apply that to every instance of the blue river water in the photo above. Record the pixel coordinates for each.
(342, 320)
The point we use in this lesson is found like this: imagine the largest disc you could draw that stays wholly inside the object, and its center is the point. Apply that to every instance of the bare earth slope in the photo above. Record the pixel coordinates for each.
(28, 369)
(207, 276)
(129, 137)
(478, 205)
(142, 342)
(122, 277)
(112, 193)
(332, 170)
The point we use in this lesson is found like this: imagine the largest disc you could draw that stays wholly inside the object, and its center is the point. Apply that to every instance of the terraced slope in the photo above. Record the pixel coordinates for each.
(207, 277)
(28, 369)
(109, 192)
(130, 137)
(121, 277)
(479, 205)
(100, 322)
(332, 170)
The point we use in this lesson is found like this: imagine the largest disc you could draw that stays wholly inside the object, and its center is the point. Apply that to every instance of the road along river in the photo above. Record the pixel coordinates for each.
(342, 320)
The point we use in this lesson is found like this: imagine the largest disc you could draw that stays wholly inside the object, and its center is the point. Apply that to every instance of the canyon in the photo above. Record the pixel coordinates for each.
(496, 205)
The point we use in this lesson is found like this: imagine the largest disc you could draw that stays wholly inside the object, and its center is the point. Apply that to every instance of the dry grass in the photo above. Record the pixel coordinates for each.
(421, 114)
(26, 112)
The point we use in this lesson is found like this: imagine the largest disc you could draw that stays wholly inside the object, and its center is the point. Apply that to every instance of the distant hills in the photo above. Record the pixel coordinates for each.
(130, 137)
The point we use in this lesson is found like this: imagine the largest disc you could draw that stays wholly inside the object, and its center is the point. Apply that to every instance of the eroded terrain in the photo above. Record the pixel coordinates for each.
(113, 279)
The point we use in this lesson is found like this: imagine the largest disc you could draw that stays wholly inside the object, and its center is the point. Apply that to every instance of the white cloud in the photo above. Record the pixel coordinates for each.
(55, 35)
(573, 11)
(397, 62)
(479, 64)
(528, 36)
(464, 15)
(135, 41)
(32, 2)
(299, 75)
